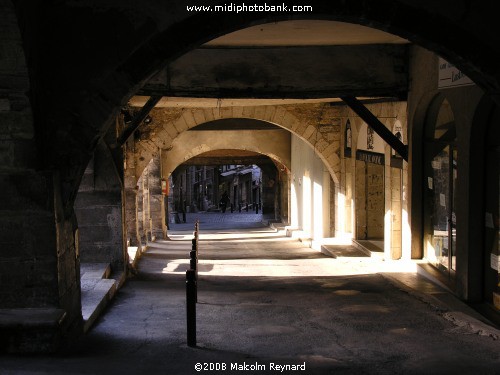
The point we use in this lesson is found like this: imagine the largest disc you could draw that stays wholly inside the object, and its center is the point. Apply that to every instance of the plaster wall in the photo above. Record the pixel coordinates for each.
(273, 143)
(310, 192)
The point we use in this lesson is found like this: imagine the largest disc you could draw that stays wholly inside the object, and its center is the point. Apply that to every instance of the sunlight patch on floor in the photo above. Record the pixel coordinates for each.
(290, 268)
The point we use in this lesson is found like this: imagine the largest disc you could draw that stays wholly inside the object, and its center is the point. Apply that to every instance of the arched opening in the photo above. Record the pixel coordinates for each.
(101, 238)
(227, 186)
(441, 166)
(491, 235)
(370, 197)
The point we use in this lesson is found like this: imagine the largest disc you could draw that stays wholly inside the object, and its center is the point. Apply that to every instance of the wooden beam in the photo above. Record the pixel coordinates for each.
(379, 128)
(138, 119)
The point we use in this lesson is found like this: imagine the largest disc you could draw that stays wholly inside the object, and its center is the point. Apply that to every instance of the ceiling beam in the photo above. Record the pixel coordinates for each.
(379, 128)
(286, 72)
(137, 120)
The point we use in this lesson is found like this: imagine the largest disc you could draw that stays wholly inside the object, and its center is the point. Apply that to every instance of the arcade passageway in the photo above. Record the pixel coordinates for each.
(264, 298)
(354, 127)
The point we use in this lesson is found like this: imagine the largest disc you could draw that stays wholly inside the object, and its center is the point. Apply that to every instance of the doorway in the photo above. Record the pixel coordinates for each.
(491, 254)
(370, 201)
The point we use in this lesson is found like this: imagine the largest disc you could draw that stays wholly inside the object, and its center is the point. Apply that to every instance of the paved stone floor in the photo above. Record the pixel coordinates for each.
(266, 300)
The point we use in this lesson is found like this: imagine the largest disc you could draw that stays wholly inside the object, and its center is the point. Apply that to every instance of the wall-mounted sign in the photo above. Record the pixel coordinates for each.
(370, 157)
(450, 76)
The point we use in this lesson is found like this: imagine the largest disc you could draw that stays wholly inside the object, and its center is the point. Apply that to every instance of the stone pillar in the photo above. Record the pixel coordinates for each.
(39, 264)
(333, 189)
(140, 208)
(284, 196)
(98, 208)
(155, 197)
(396, 213)
(130, 196)
(269, 178)
(146, 222)
(349, 209)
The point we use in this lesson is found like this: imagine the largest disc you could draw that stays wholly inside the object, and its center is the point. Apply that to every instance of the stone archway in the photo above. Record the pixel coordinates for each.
(153, 36)
(301, 120)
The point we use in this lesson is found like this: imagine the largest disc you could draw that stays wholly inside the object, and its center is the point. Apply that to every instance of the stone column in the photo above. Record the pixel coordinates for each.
(396, 213)
(155, 197)
(39, 264)
(98, 208)
(144, 218)
(130, 196)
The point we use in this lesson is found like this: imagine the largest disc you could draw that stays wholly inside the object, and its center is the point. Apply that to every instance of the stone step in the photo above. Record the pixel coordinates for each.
(97, 290)
(374, 249)
(343, 251)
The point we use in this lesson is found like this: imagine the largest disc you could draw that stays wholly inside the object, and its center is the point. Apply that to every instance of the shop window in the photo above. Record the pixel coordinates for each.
(441, 166)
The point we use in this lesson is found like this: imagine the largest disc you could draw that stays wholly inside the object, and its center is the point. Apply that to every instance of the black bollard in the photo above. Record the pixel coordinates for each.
(195, 247)
(193, 260)
(191, 307)
(239, 207)
(256, 208)
(232, 208)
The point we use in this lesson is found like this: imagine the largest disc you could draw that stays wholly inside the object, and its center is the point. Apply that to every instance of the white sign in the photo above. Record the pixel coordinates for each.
(495, 262)
(397, 130)
(442, 200)
(450, 76)
(368, 140)
(488, 220)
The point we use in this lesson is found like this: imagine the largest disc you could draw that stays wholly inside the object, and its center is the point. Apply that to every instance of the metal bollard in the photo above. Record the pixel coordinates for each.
(194, 247)
(191, 307)
(193, 261)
